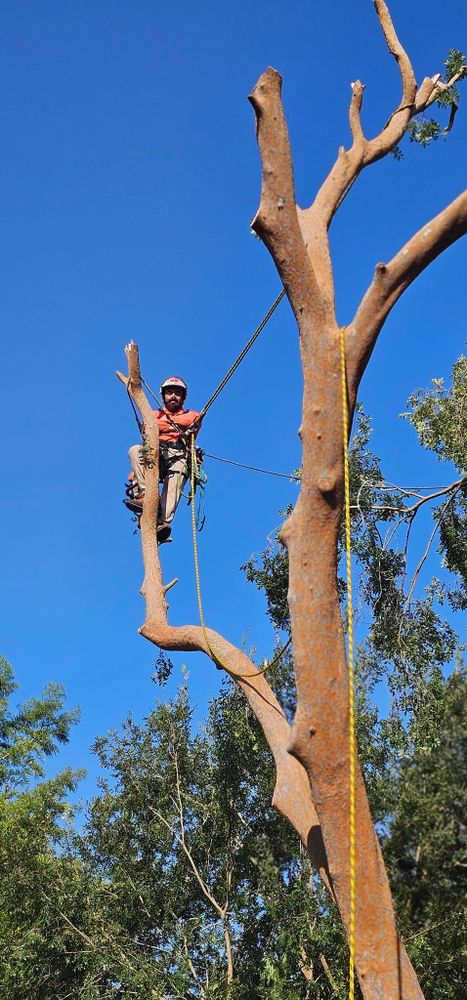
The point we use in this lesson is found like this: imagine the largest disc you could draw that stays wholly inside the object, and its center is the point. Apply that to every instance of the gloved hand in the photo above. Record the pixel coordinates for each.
(195, 426)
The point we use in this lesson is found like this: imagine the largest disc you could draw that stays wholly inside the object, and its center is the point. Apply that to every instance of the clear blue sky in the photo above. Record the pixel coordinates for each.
(129, 175)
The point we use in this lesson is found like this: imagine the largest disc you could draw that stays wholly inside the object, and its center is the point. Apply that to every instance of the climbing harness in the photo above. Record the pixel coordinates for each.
(352, 740)
(215, 656)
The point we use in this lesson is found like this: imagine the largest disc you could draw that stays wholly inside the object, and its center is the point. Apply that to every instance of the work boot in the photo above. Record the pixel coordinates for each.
(135, 503)
(164, 531)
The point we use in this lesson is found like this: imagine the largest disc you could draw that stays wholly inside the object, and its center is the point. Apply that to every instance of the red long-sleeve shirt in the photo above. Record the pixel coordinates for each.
(165, 420)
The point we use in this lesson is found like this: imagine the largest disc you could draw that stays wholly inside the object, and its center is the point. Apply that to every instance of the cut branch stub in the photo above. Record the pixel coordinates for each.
(277, 211)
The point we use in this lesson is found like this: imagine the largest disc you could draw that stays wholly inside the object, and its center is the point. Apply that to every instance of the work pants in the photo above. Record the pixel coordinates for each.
(173, 473)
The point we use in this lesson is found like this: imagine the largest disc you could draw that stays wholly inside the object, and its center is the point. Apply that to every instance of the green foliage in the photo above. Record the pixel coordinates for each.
(163, 668)
(147, 455)
(454, 64)
(30, 734)
(426, 849)
(439, 416)
(182, 832)
(453, 545)
(271, 574)
(33, 817)
(424, 130)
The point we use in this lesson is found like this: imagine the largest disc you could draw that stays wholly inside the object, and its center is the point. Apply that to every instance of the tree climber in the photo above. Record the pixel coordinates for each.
(176, 425)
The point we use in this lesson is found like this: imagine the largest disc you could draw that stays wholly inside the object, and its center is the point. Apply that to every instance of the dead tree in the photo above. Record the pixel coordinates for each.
(311, 758)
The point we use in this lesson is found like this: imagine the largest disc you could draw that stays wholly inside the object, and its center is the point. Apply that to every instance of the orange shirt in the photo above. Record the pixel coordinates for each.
(183, 419)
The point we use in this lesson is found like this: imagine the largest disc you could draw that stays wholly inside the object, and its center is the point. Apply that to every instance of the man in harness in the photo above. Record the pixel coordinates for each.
(175, 427)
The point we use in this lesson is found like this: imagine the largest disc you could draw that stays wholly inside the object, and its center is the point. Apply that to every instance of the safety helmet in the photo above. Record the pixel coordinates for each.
(174, 382)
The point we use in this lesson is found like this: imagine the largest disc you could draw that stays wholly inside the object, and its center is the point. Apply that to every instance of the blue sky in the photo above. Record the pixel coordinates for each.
(129, 176)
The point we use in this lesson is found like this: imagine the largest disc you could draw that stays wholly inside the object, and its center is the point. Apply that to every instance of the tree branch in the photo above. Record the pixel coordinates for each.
(432, 537)
(391, 280)
(202, 991)
(432, 88)
(364, 151)
(411, 511)
(391, 134)
(152, 588)
(292, 794)
(277, 219)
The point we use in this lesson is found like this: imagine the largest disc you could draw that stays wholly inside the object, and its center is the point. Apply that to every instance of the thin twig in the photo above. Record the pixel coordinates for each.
(430, 542)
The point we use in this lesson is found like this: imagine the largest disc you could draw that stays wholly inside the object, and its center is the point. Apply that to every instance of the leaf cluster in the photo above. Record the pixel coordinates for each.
(423, 130)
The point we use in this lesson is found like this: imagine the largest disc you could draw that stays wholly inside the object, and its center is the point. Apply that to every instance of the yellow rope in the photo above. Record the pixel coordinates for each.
(234, 673)
(352, 742)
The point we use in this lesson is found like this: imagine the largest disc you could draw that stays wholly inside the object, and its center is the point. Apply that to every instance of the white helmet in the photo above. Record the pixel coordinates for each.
(175, 382)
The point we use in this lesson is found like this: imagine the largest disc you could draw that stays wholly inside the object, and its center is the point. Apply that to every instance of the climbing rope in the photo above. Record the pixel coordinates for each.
(220, 387)
(352, 741)
(291, 476)
(241, 356)
(215, 656)
(133, 407)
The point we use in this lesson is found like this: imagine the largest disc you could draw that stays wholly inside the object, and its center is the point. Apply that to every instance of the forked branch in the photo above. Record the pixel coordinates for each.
(364, 151)
(292, 795)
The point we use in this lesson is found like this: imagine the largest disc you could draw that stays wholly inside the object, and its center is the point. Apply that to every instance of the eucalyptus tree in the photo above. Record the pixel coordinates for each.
(312, 754)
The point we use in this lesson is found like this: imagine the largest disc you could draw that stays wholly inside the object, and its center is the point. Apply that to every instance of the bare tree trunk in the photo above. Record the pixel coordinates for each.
(298, 243)
(321, 730)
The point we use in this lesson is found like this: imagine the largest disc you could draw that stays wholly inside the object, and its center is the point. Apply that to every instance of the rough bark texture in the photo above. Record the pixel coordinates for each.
(312, 787)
